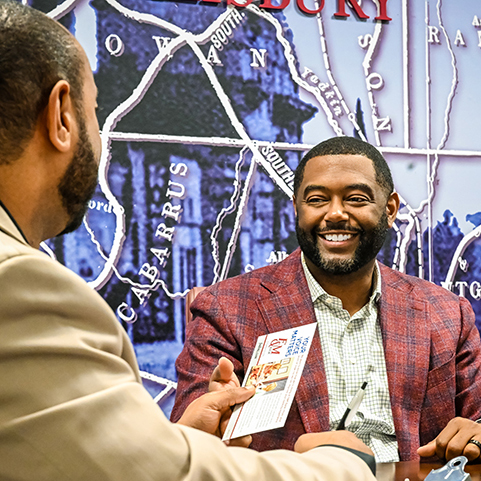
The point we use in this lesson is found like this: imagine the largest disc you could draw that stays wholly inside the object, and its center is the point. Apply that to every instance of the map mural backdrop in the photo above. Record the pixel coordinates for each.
(205, 110)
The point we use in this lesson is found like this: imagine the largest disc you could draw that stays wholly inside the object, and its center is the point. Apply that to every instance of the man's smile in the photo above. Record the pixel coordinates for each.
(337, 237)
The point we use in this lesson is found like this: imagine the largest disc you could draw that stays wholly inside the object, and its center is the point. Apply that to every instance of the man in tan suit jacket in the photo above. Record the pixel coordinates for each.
(72, 406)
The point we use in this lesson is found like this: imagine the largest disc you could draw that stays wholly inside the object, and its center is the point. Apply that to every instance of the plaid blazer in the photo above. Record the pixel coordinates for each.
(432, 350)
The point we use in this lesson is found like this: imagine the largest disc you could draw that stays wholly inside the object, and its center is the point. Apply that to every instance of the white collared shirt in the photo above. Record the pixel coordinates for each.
(350, 345)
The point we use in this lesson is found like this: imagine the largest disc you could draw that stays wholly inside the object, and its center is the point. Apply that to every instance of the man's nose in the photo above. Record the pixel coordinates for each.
(336, 212)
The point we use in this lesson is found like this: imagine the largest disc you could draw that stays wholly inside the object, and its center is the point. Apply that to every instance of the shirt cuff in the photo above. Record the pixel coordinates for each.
(367, 458)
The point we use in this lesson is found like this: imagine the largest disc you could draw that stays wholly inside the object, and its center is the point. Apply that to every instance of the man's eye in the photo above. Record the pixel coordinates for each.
(358, 199)
(315, 200)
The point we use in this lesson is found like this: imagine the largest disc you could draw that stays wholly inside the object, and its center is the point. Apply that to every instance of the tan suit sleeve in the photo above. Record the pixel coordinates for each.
(72, 407)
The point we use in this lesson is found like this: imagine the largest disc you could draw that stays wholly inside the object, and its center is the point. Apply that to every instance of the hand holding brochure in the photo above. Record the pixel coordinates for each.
(275, 370)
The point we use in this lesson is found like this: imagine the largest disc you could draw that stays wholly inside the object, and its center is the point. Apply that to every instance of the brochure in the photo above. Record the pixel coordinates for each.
(275, 370)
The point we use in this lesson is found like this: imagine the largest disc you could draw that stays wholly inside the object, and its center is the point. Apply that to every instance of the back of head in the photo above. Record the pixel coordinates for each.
(35, 53)
(348, 146)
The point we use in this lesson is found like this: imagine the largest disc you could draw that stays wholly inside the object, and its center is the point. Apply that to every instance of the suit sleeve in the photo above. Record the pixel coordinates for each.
(208, 337)
(468, 366)
(72, 407)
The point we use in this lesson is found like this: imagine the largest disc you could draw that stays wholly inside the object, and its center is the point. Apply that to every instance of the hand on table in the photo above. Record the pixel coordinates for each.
(340, 438)
(211, 412)
(453, 441)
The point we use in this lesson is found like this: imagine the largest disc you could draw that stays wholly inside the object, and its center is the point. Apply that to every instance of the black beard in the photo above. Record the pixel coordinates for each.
(78, 184)
(370, 243)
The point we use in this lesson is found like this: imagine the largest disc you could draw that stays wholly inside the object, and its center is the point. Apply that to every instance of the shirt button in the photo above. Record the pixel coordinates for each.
(349, 327)
(352, 360)
(328, 301)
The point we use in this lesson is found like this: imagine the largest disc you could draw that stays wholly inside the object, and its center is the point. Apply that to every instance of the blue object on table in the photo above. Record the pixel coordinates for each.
(452, 471)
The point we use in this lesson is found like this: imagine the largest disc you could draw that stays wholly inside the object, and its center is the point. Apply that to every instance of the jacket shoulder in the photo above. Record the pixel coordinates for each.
(268, 277)
(419, 288)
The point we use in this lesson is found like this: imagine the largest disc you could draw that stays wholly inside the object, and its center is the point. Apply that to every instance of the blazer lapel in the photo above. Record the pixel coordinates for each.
(8, 226)
(287, 303)
(406, 340)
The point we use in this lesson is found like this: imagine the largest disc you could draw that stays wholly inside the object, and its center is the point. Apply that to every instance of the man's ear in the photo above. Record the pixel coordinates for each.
(294, 204)
(392, 208)
(60, 117)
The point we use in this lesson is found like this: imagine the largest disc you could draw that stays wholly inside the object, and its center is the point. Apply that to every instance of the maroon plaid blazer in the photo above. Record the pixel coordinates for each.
(431, 345)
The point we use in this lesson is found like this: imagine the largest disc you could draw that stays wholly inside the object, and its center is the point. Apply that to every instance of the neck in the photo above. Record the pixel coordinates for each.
(354, 290)
(36, 209)
(19, 218)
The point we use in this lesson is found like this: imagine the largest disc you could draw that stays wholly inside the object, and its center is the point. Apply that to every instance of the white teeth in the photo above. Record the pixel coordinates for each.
(337, 237)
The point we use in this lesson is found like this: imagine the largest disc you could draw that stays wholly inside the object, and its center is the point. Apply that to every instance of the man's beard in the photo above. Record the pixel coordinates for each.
(370, 243)
(78, 184)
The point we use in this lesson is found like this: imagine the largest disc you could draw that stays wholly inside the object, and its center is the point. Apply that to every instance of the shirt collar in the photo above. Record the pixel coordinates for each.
(317, 291)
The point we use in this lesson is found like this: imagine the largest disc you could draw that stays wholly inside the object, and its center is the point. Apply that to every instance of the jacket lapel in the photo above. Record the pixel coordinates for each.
(286, 304)
(8, 227)
(406, 340)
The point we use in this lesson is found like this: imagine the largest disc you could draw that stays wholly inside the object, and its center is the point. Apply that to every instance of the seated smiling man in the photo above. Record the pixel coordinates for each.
(421, 340)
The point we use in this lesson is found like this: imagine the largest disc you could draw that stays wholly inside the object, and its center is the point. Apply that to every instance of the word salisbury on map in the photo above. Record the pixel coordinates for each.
(341, 7)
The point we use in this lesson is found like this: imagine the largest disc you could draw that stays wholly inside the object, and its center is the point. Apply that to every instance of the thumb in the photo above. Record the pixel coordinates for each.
(226, 369)
(428, 449)
(229, 397)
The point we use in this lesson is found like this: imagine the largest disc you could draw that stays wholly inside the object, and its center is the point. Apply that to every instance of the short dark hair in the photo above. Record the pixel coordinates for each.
(348, 146)
(35, 53)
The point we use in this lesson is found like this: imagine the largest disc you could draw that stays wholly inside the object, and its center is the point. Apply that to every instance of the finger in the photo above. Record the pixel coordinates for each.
(242, 442)
(225, 418)
(428, 449)
(226, 369)
(223, 376)
(224, 421)
(458, 443)
(221, 400)
(214, 381)
(446, 442)
(454, 448)
(471, 451)
(216, 374)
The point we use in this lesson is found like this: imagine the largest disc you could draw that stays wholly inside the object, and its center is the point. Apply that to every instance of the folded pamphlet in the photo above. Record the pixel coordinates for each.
(275, 370)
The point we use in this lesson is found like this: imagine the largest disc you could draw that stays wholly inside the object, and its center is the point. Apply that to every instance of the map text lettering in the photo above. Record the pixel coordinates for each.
(161, 254)
(126, 313)
(114, 45)
(172, 211)
(433, 34)
(383, 123)
(165, 232)
(302, 6)
(258, 57)
(459, 40)
(151, 272)
(364, 40)
(341, 9)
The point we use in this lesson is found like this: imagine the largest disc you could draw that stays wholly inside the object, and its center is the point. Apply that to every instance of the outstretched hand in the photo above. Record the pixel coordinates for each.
(222, 378)
(211, 412)
(454, 440)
